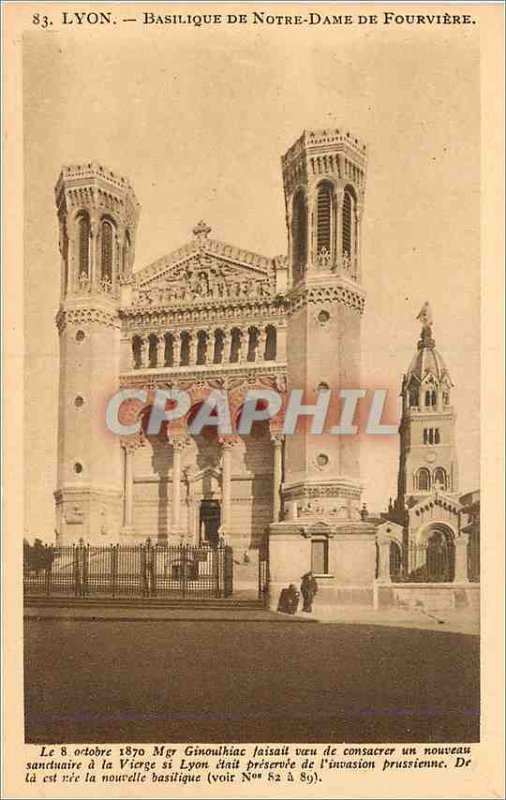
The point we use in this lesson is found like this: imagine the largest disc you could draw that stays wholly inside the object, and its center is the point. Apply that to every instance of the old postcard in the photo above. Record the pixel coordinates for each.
(253, 394)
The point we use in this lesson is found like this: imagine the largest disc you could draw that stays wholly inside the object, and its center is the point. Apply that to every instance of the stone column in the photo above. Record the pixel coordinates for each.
(129, 445)
(176, 348)
(178, 444)
(205, 349)
(277, 441)
(225, 353)
(310, 244)
(144, 352)
(133, 364)
(160, 350)
(226, 483)
(243, 348)
(384, 560)
(128, 508)
(193, 347)
(94, 255)
(461, 575)
(261, 341)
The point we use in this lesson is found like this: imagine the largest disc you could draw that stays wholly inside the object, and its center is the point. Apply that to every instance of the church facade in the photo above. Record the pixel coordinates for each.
(210, 315)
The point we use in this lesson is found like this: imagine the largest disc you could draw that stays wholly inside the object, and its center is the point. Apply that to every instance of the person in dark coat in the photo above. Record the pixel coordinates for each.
(308, 588)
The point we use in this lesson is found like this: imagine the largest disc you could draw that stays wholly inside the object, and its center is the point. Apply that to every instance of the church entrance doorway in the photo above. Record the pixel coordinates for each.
(210, 521)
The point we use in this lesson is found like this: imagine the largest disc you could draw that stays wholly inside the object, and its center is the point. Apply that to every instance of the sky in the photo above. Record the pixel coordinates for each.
(197, 119)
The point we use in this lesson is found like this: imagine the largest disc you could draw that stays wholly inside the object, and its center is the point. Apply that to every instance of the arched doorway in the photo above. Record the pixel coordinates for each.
(440, 556)
(209, 522)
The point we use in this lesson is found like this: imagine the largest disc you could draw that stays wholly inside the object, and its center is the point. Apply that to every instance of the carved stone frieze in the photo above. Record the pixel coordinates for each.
(82, 316)
(304, 295)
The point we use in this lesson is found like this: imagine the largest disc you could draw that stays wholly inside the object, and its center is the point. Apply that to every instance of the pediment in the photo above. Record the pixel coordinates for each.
(437, 499)
(204, 270)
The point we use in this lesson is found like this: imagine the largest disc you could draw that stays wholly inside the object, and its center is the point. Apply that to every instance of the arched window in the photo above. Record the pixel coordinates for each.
(270, 343)
(184, 358)
(126, 252)
(201, 347)
(413, 397)
(235, 345)
(83, 244)
(107, 244)
(169, 350)
(437, 437)
(219, 347)
(136, 352)
(252, 344)
(433, 398)
(324, 219)
(348, 226)
(446, 398)
(299, 234)
(395, 561)
(427, 398)
(440, 478)
(425, 436)
(423, 480)
(152, 350)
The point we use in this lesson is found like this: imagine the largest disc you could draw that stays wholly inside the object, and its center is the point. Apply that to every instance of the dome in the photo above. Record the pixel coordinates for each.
(427, 360)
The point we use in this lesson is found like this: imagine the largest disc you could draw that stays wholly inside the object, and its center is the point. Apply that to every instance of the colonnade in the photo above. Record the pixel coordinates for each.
(178, 443)
(204, 346)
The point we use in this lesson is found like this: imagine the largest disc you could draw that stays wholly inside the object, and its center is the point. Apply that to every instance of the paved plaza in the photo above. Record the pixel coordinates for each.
(251, 679)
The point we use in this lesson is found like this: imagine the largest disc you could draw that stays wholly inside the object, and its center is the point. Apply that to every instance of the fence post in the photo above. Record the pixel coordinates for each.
(76, 570)
(114, 568)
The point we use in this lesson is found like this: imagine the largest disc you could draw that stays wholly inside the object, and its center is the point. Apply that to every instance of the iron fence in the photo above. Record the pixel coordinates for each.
(263, 572)
(432, 562)
(138, 570)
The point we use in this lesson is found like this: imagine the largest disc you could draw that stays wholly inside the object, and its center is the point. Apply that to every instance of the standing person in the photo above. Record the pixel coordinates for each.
(308, 588)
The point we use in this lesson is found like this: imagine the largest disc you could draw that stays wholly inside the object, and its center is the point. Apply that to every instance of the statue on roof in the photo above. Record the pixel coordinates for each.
(425, 315)
(427, 320)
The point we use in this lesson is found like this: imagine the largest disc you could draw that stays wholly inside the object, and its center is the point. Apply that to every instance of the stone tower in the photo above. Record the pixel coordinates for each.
(428, 459)
(97, 214)
(324, 176)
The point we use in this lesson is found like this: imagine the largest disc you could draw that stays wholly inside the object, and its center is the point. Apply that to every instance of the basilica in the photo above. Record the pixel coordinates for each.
(213, 315)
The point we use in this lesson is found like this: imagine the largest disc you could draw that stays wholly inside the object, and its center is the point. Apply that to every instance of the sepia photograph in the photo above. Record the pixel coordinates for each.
(252, 353)
(250, 298)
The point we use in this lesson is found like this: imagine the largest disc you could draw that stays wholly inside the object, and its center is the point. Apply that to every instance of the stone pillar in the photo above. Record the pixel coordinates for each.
(129, 445)
(178, 444)
(277, 441)
(176, 348)
(461, 575)
(133, 364)
(310, 244)
(205, 349)
(261, 341)
(192, 355)
(226, 483)
(144, 352)
(94, 256)
(160, 350)
(227, 343)
(189, 475)
(128, 505)
(384, 560)
(243, 348)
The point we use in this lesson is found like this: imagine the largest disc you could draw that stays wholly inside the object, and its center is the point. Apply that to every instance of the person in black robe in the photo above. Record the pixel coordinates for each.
(308, 589)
